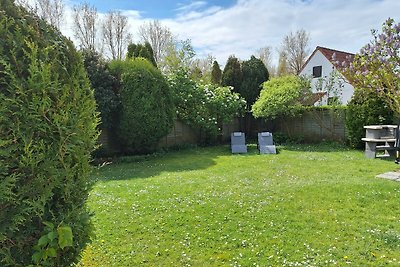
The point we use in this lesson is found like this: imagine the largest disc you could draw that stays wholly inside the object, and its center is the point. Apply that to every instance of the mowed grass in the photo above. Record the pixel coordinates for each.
(306, 206)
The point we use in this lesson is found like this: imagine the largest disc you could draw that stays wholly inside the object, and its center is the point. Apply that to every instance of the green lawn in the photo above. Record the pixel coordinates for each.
(306, 206)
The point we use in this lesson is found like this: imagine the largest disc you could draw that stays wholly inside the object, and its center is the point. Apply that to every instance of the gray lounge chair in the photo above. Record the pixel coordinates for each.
(238, 143)
(265, 143)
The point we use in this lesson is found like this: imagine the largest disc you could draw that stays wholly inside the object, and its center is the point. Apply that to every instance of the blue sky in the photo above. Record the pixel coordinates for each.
(228, 27)
(156, 9)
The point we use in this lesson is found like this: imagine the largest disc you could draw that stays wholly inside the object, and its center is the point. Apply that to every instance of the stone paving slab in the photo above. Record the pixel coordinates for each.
(394, 176)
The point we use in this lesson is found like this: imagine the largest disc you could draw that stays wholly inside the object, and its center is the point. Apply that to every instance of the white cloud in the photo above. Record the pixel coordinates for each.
(192, 6)
(251, 24)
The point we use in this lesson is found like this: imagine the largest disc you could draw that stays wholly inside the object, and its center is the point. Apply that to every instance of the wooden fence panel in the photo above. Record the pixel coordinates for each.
(314, 126)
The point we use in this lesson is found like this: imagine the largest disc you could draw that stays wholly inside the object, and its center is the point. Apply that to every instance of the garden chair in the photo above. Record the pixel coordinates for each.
(238, 143)
(265, 143)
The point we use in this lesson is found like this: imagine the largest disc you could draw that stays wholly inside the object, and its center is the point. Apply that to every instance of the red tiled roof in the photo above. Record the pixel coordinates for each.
(340, 56)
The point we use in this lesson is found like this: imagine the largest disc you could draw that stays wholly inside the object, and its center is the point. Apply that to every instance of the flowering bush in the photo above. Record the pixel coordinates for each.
(377, 65)
(204, 106)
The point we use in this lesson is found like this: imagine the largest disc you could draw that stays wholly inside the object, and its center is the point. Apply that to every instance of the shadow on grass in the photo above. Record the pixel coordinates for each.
(189, 159)
(140, 167)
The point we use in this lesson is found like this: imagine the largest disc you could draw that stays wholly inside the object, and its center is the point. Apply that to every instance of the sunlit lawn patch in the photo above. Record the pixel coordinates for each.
(306, 206)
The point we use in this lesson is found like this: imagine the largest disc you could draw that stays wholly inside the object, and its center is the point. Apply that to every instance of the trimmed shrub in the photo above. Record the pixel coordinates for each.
(47, 132)
(366, 107)
(147, 109)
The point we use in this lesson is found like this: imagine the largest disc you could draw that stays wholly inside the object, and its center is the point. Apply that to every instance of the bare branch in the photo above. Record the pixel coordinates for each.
(296, 48)
(115, 34)
(265, 55)
(159, 37)
(85, 25)
(51, 10)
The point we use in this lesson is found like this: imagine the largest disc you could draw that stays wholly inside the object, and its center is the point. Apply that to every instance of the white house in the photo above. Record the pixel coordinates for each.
(327, 82)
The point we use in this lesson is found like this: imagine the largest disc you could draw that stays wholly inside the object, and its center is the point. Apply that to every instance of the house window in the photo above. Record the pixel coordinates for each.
(317, 71)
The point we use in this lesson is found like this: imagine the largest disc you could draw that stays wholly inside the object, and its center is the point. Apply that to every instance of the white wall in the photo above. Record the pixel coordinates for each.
(319, 59)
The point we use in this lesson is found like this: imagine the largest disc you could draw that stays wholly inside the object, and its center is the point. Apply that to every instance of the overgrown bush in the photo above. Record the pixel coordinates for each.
(365, 108)
(281, 96)
(204, 107)
(147, 109)
(47, 132)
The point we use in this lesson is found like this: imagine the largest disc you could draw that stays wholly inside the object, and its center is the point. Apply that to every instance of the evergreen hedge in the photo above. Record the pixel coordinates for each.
(47, 132)
(147, 109)
(105, 87)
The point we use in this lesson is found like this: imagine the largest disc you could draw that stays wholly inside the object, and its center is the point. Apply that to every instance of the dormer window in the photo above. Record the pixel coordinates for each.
(317, 71)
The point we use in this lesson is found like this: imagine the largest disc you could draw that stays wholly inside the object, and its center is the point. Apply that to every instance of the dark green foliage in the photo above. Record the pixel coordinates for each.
(147, 109)
(216, 73)
(105, 87)
(232, 74)
(367, 107)
(141, 50)
(254, 74)
(47, 131)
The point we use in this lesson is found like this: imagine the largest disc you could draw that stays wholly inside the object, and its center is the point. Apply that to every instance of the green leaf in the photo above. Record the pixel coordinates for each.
(53, 243)
(64, 236)
(52, 235)
(43, 241)
(51, 252)
(36, 257)
(49, 225)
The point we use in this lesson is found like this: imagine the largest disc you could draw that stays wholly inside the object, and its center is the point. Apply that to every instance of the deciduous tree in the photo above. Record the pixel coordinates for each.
(265, 55)
(115, 33)
(377, 66)
(51, 11)
(158, 36)
(296, 48)
(204, 67)
(85, 25)
(179, 55)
